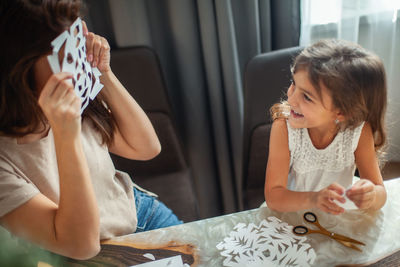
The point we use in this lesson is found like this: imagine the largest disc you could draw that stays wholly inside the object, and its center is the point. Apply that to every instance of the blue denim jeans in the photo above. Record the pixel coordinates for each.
(151, 213)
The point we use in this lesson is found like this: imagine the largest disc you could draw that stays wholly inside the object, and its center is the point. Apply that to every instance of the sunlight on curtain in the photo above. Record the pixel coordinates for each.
(375, 24)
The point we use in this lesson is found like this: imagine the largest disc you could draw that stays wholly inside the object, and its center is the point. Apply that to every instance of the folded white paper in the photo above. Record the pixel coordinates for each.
(271, 243)
(86, 80)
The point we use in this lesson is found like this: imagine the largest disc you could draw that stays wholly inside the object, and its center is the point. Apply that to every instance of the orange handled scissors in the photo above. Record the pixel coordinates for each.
(312, 218)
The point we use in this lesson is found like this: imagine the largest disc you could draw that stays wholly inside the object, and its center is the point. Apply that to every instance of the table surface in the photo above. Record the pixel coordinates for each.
(196, 241)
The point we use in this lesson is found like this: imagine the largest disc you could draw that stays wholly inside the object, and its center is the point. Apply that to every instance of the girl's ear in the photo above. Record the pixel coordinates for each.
(340, 117)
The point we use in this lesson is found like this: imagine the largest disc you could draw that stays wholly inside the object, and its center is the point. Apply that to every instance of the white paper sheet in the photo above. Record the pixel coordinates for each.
(348, 205)
(271, 243)
(175, 261)
(86, 79)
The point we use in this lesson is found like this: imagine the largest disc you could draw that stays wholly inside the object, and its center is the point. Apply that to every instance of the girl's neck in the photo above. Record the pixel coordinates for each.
(322, 139)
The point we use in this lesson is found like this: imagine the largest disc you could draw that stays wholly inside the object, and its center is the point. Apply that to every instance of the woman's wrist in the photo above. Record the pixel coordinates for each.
(108, 79)
(67, 133)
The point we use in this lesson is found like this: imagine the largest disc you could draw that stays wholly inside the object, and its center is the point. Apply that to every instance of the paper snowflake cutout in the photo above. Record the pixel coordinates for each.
(271, 243)
(86, 79)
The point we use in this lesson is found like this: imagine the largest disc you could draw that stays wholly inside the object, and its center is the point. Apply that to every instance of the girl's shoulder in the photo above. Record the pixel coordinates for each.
(351, 136)
(280, 125)
(280, 122)
(279, 132)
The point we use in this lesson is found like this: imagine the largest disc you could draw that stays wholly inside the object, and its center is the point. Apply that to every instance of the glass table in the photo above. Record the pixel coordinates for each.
(196, 241)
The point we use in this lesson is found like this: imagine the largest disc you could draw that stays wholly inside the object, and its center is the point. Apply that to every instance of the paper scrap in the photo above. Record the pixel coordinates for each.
(348, 205)
(149, 256)
(175, 261)
(271, 243)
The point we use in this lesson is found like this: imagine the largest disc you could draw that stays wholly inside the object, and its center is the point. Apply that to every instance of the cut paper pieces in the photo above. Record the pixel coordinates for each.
(271, 243)
(175, 261)
(348, 205)
(149, 256)
(85, 79)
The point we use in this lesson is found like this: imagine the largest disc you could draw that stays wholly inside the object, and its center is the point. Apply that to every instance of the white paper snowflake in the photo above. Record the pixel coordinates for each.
(271, 243)
(86, 80)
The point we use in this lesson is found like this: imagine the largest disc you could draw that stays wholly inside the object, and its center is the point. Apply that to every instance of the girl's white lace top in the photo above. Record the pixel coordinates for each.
(312, 169)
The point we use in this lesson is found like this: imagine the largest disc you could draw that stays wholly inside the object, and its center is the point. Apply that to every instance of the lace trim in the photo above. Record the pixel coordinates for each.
(339, 154)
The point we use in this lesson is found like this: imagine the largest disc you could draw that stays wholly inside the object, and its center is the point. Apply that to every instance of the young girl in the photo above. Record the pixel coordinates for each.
(332, 123)
(58, 185)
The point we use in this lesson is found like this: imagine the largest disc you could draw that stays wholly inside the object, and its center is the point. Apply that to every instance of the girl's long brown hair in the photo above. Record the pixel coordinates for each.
(27, 28)
(355, 79)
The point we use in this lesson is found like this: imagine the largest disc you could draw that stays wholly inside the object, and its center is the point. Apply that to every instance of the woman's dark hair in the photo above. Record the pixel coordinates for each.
(28, 27)
(355, 78)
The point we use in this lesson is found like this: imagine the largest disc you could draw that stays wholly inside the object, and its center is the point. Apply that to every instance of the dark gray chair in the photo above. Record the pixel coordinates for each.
(266, 80)
(168, 175)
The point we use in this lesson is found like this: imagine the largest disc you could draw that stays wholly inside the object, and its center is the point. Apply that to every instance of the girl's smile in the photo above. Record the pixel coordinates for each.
(309, 108)
(296, 115)
(312, 109)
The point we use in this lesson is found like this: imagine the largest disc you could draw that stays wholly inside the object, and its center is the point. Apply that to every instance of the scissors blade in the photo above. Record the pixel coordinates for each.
(349, 245)
(345, 238)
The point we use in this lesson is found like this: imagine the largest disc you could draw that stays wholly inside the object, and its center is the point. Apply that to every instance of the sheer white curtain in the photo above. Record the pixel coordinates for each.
(374, 24)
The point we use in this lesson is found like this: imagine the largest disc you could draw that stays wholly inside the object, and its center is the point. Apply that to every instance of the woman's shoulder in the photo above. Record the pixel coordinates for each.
(6, 141)
(89, 132)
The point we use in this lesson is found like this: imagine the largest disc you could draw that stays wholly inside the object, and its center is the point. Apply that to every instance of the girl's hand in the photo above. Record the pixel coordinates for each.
(362, 193)
(61, 105)
(97, 50)
(324, 199)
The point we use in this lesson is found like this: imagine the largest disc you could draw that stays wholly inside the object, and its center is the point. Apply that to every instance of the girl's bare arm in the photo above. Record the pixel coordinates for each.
(277, 196)
(369, 192)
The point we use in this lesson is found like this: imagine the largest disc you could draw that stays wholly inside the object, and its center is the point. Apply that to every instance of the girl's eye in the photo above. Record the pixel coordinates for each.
(307, 98)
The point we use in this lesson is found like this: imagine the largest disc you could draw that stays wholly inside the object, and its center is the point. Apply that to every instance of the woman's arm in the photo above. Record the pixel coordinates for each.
(134, 136)
(70, 228)
(369, 192)
(277, 196)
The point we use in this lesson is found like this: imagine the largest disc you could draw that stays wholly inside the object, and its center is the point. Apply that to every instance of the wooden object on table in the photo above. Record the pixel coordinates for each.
(120, 254)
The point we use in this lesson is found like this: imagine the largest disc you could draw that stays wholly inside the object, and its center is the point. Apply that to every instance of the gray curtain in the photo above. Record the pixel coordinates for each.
(204, 46)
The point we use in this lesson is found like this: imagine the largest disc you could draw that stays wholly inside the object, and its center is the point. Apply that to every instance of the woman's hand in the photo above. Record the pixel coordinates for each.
(324, 199)
(362, 193)
(97, 50)
(61, 105)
